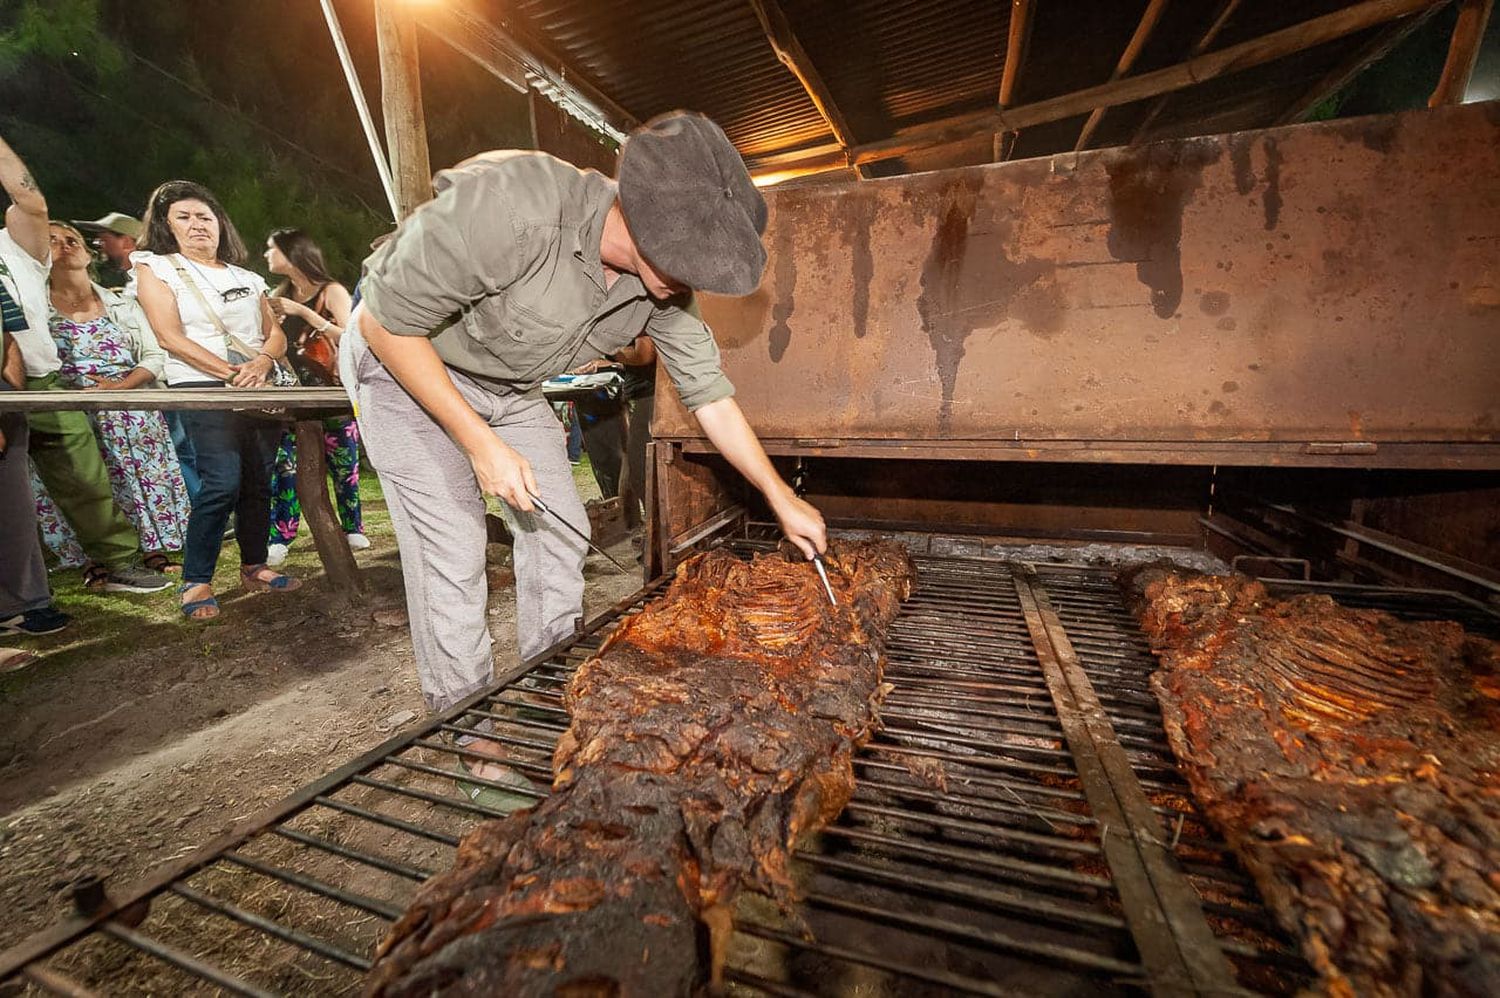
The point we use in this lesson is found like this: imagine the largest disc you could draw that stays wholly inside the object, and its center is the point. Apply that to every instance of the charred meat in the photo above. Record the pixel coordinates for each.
(1352, 762)
(711, 733)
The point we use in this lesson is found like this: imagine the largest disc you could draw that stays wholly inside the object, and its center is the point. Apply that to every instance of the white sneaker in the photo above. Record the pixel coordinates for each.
(275, 554)
(358, 542)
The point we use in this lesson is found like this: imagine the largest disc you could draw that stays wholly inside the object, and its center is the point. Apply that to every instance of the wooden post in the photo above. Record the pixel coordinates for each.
(1468, 34)
(401, 101)
(312, 493)
(1018, 34)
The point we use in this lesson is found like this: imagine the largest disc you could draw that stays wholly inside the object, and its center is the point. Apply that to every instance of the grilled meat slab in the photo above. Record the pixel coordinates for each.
(711, 732)
(1352, 762)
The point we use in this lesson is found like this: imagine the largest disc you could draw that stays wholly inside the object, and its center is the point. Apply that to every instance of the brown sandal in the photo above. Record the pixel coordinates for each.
(249, 578)
(158, 562)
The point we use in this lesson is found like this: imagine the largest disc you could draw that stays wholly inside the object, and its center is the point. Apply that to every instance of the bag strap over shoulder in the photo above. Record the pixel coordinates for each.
(231, 341)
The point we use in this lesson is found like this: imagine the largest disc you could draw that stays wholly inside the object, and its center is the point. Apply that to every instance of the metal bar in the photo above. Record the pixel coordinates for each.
(951, 824)
(57, 983)
(361, 106)
(1370, 537)
(450, 774)
(995, 940)
(182, 961)
(868, 785)
(313, 885)
(1018, 901)
(514, 762)
(1176, 943)
(973, 857)
(368, 859)
(437, 800)
(388, 821)
(707, 528)
(272, 928)
(951, 982)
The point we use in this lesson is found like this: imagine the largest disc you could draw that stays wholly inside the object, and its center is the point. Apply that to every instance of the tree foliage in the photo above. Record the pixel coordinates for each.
(107, 98)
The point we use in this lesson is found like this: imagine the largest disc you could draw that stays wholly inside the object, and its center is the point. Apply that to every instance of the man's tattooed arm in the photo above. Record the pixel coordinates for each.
(26, 219)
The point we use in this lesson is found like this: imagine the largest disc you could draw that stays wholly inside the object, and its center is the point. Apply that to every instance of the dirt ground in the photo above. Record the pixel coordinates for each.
(125, 751)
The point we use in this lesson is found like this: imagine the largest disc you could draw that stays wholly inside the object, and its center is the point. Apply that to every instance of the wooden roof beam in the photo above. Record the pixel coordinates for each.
(1468, 35)
(1361, 58)
(1226, 11)
(1150, 18)
(1210, 65)
(1018, 39)
(793, 56)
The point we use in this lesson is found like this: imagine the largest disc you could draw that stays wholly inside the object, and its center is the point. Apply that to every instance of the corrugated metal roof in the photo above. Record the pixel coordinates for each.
(894, 64)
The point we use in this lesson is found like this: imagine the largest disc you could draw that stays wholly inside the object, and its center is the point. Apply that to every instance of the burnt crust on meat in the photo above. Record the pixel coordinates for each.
(709, 734)
(1351, 760)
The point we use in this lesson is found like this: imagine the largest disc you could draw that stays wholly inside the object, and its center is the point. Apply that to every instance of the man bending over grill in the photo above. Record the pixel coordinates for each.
(523, 267)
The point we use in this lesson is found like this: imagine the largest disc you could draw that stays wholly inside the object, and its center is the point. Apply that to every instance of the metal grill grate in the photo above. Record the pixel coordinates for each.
(977, 856)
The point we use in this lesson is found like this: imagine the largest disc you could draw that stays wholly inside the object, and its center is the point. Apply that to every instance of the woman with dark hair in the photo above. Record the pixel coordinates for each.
(313, 309)
(211, 317)
(104, 342)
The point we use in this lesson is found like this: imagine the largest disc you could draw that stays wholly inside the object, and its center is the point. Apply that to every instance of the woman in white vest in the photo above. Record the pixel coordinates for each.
(211, 317)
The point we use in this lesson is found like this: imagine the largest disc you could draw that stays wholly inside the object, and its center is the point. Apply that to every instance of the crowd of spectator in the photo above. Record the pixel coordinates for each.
(140, 498)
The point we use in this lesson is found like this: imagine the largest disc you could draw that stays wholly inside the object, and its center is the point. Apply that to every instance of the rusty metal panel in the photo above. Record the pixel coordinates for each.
(1333, 284)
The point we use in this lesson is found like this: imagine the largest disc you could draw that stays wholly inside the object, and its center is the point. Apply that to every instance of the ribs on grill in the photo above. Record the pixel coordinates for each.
(711, 732)
(1352, 762)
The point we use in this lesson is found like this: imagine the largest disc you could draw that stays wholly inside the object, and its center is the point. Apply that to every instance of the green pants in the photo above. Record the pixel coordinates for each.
(67, 458)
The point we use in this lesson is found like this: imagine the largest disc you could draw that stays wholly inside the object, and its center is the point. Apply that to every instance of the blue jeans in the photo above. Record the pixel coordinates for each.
(185, 456)
(235, 456)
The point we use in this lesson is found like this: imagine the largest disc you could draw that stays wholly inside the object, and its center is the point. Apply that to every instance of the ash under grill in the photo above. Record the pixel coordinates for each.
(1018, 828)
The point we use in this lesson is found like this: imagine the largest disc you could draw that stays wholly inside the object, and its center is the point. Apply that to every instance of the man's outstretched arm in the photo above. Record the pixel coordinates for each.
(26, 218)
(726, 426)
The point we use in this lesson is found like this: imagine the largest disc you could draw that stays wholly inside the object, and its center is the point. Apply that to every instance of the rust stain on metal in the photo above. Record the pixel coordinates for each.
(970, 281)
(1379, 134)
(857, 223)
(1214, 303)
(786, 293)
(1149, 190)
(1024, 279)
(942, 312)
(1271, 200)
(1239, 159)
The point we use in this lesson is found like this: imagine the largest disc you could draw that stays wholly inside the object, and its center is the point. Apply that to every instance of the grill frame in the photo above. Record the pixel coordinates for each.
(1003, 733)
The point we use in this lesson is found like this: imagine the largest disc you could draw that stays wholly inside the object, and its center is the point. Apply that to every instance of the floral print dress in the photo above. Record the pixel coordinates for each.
(144, 473)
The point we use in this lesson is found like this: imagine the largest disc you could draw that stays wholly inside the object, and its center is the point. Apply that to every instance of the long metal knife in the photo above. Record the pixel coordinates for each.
(817, 561)
(537, 502)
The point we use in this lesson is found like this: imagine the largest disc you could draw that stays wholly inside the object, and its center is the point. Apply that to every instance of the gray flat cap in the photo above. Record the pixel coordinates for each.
(690, 206)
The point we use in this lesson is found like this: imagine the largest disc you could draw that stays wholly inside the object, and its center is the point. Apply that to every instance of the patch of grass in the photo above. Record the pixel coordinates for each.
(107, 623)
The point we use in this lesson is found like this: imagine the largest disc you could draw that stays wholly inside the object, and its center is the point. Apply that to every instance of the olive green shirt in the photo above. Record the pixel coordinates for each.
(501, 269)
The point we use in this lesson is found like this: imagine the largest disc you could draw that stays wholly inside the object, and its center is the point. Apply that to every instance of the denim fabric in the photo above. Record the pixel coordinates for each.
(185, 456)
(235, 454)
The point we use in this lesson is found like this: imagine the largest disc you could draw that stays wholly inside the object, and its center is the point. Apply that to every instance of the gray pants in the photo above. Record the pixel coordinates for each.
(23, 576)
(438, 511)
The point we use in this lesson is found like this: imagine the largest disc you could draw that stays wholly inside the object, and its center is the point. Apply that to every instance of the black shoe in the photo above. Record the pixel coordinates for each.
(43, 620)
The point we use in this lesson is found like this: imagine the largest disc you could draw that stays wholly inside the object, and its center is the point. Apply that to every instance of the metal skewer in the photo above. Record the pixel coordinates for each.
(817, 561)
(537, 502)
